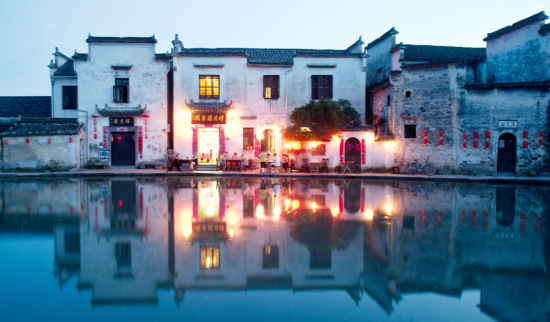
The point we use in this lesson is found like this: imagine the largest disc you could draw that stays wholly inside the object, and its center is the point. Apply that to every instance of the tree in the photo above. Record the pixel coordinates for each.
(320, 120)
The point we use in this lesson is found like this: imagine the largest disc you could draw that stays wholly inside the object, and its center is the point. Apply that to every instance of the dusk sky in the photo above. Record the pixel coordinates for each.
(30, 30)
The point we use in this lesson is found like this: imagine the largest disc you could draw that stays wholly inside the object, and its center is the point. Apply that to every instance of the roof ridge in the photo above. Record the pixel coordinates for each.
(388, 33)
(522, 23)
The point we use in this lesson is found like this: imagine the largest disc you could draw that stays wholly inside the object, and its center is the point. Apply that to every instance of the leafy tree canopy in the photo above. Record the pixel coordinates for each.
(320, 120)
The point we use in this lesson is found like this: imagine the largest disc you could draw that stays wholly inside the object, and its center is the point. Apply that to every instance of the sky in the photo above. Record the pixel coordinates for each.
(31, 29)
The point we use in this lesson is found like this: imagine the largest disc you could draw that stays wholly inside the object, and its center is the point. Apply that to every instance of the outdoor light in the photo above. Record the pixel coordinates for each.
(369, 215)
(314, 206)
(334, 211)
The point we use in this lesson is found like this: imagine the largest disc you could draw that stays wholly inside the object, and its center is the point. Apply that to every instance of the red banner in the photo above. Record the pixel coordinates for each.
(342, 150)
(363, 154)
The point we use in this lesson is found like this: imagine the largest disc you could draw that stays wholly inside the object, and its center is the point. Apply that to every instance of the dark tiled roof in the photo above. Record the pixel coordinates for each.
(544, 29)
(5, 124)
(209, 106)
(145, 40)
(522, 23)
(422, 55)
(164, 56)
(482, 86)
(80, 56)
(261, 56)
(44, 127)
(388, 33)
(25, 106)
(66, 69)
(121, 111)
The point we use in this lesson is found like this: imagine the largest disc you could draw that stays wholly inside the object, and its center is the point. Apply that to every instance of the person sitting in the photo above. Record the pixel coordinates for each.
(276, 163)
(177, 163)
(222, 166)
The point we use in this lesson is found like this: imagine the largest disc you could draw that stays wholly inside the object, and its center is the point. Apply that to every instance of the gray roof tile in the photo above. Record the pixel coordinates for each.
(420, 55)
(150, 40)
(44, 127)
(522, 23)
(25, 106)
(66, 69)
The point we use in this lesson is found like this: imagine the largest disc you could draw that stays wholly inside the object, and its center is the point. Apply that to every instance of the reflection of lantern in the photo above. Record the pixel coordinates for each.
(49, 140)
(476, 144)
(525, 145)
(487, 144)
(487, 134)
(28, 141)
(525, 134)
(476, 134)
(423, 217)
(541, 138)
(464, 143)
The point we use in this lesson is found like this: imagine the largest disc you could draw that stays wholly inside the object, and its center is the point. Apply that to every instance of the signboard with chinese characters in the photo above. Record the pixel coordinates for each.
(508, 124)
(121, 121)
(200, 117)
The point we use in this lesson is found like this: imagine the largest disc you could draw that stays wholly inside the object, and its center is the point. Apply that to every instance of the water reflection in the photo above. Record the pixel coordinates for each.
(124, 239)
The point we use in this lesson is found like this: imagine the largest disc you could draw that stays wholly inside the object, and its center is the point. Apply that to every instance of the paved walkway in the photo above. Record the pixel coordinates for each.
(131, 171)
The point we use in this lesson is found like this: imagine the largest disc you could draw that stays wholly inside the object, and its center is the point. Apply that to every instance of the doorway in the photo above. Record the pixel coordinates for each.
(268, 142)
(353, 153)
(123, 148)
(209, 145)
(506, 154)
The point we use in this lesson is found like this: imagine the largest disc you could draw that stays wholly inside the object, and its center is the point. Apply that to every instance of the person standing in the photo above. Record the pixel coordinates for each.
(285, 163)
(276, 163)
(262, 162)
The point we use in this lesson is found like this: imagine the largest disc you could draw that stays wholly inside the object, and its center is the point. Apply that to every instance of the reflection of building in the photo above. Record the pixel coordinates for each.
(239, 234)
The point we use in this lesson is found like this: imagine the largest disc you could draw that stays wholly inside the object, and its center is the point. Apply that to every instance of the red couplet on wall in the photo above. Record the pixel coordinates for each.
(342, 150)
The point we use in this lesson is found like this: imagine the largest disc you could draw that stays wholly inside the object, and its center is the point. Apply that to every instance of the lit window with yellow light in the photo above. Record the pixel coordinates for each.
(210, 257)
(209, 86)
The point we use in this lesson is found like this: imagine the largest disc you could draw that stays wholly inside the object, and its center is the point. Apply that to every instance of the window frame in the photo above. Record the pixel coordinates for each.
(271, 85)
(69, 100)
(121, 90)
(407, 134)
(248, 138)
(214, 87)
(322, 86)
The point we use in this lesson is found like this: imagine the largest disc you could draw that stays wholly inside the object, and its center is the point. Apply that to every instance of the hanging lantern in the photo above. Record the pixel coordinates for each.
(476, 144)
(440, 142)
(464, 145)
(28, 141)
(441, 134)
(425, 141)
(49, 140)
(70, 139)
(476, 134)
(525, 145)
(487, 134)
(464, 136)
(487, 144)
(525, 134)
(95, 136)
(425, 133)
(541, 142)
(541, 133)
(95, 115)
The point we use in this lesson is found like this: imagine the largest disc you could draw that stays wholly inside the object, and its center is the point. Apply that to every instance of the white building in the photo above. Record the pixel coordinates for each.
(237, 100)
(119, 91)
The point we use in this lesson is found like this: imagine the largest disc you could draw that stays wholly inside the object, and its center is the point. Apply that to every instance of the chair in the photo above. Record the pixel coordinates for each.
(324, 166)
(305, 166)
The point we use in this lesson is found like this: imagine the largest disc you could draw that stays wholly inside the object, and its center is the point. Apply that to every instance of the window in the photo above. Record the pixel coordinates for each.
(121, 90)
(210, 257)
(320, 149)
(321, 86)
(320, 259)
(388, 100)
(72, 242)
(123, 254)
(410, 131)
(270, 257)
(209, 86)
(248, 138)
(69, 98)
(408, 94)
(271, 87)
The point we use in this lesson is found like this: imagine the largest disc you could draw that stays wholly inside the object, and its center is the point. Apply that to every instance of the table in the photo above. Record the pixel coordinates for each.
(345, 166)
(233, 164)
(187, 164)
(314, 166)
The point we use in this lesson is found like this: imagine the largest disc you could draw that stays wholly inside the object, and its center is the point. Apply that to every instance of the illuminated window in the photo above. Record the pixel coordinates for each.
(271, 256)
(210, 257)
(321, 86)
(271, 87)
(320, 149)
(209, 86)
(248, 138)
(121, 90)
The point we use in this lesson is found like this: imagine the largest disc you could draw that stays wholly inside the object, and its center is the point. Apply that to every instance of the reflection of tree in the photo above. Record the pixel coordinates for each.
(320, 231)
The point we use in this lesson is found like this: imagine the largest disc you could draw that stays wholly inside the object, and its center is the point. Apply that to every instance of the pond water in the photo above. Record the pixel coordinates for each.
(272, 249)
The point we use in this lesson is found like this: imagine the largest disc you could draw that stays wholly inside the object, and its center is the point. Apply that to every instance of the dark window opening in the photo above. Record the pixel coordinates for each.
(270, 256)
(408, 222)
(209, 86)
(388, 100)
(321, 86)
(248, 138)
(408, 93)
(123, 254)
(70, 98)
(320, 259)
(410, 131)
(271, 87)
(72, 242)
(121, 90)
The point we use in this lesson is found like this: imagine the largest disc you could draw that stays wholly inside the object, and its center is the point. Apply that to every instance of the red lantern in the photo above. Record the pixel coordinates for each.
(525, 134)
(70, 139)
(476, 144)
(146, 115)
(95, 121)
(487, 144)
(440, 142)
(28, 141)
(424, 141)
(95, 115)
(541, 142)
(49, 140)
(425, 133)
(440, 134)
(5, 140)
(541, 133)
(464, 136)
(476, 134)
(95, 136)
(487, 134)
(525, 145)
(464, 145)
